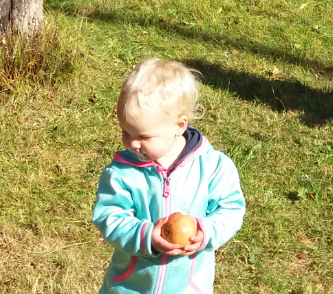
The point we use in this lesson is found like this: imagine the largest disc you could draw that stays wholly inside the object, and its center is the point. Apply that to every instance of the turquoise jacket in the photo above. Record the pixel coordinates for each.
(133, 195)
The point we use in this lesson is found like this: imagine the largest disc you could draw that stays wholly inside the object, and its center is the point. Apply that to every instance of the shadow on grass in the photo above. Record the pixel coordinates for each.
(293, 196)
(250, 46)
(285, 95)
(246, 45)
(316, 105)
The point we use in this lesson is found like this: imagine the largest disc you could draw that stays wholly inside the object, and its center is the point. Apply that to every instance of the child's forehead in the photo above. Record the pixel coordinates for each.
(145, 126)
(133, 107)
(156, 117)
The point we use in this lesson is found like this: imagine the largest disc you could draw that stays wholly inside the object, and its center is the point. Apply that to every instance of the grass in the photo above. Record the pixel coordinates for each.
(267, 89)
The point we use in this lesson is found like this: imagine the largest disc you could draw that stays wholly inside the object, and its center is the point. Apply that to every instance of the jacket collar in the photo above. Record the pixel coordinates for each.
(194, 140)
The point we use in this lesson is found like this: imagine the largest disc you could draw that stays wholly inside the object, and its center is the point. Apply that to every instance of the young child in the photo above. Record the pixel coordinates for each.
(167, 167)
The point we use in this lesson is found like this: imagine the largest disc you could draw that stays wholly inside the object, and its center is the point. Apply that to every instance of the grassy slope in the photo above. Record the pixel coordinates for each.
(275, 123)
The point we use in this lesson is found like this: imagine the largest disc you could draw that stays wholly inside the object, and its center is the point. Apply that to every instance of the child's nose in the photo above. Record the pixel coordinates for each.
(135, 144)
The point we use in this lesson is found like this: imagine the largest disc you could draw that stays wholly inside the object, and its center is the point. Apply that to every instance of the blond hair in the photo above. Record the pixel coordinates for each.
(158, 85)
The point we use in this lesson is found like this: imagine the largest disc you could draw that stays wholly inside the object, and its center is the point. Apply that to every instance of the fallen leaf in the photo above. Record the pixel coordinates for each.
(93, 98)
(21, 120)
(251, 8)
(57, 168)
(300, 256)
(92, 186)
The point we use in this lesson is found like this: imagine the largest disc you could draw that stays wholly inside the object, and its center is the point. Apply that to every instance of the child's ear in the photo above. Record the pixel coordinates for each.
(182, 124)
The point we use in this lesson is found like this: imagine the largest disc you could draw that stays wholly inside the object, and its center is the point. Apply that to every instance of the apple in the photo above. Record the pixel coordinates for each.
(178, 229)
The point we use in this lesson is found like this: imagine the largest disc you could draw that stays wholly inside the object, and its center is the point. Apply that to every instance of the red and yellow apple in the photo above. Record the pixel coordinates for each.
(178, 229)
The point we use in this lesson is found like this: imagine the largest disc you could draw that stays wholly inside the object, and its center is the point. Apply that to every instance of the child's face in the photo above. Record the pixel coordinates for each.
(150, 137)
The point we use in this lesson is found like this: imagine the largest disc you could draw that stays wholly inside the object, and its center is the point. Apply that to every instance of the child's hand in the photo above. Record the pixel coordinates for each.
(194, 247)
(161, 245)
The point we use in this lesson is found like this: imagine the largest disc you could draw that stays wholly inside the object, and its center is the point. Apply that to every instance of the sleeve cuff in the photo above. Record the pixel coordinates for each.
(146, 233)
(204, 232)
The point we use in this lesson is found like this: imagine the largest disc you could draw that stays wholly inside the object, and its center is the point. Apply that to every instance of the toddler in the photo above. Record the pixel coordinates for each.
(168, 166)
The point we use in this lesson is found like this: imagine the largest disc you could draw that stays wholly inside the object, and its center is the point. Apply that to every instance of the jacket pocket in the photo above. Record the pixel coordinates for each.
(129, 271)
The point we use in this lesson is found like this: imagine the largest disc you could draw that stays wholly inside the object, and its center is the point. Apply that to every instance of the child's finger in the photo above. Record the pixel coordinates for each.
(187, 253)
(198, 238)
(189, 250)
(193, 247)
(174, 252)
(168, 246)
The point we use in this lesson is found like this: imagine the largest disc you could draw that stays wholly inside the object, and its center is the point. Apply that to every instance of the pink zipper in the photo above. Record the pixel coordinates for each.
(166, 187)
(166, 193)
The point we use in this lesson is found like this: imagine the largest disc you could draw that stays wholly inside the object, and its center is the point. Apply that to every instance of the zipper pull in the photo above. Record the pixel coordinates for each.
(166, 187)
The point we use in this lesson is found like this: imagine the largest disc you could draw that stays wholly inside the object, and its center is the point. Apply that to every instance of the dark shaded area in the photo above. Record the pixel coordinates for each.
(280, 95)
(292, 196)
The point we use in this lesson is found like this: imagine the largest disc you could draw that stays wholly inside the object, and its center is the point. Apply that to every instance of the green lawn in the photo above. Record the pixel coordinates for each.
(267, 70)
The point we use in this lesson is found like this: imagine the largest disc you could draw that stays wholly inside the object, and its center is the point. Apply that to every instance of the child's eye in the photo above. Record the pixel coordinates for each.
(145, 137)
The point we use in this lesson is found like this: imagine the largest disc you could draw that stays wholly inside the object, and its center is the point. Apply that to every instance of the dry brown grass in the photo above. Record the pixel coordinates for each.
(31, 262)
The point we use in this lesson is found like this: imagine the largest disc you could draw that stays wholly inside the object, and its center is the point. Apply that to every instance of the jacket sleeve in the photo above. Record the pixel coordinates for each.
(114, 216)
(226, 206)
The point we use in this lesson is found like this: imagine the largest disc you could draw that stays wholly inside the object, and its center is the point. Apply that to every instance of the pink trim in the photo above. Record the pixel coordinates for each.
(195, 288)
(162, 274)
(143, 238)
(161, 169)
(138, 164)
(203, 147)
(202, 228)
(128, 272)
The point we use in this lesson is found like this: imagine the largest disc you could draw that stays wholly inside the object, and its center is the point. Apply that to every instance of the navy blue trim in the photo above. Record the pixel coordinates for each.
(193, 139)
